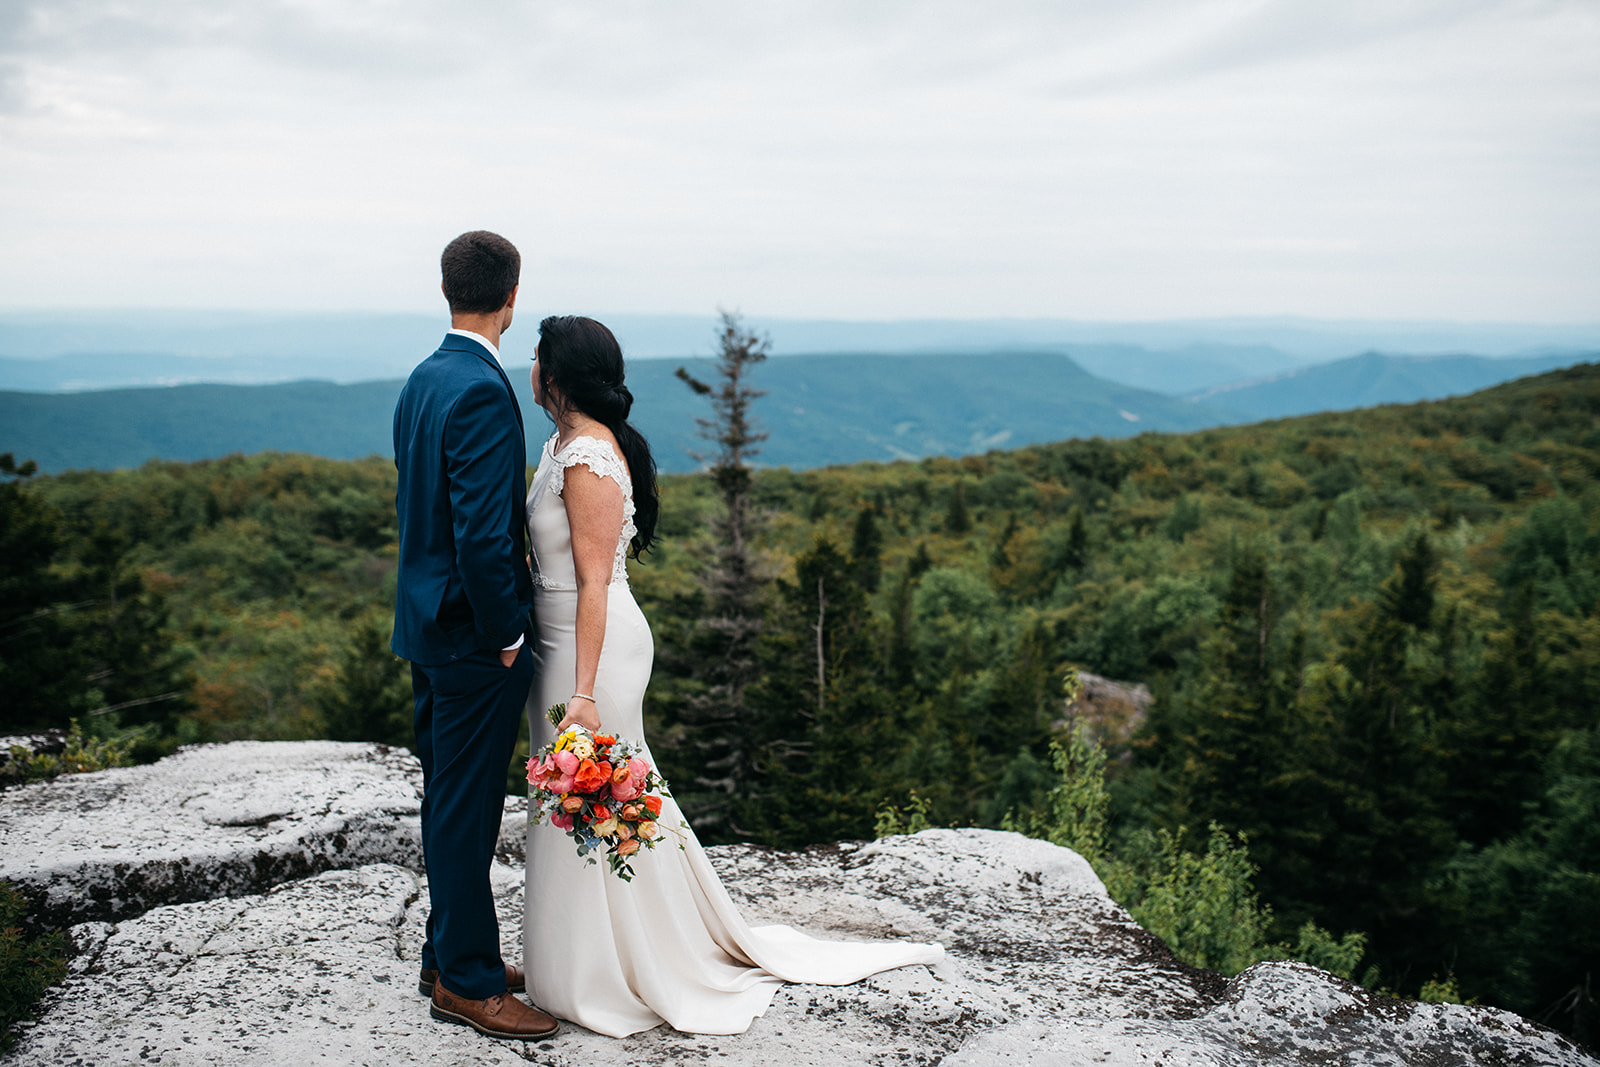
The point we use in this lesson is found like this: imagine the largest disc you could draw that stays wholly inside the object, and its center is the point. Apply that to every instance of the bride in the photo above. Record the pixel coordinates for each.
(620, 957)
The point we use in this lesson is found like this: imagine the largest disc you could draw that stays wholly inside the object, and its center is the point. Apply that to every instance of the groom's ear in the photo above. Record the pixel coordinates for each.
(508, 312)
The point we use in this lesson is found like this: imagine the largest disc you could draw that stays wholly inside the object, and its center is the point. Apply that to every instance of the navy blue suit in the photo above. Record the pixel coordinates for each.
(464, 593)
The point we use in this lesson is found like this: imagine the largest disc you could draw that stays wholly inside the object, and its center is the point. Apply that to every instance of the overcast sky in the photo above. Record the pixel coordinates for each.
(1143, 159)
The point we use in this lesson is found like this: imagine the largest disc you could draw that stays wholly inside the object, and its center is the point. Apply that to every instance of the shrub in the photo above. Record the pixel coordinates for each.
(1337, 956)
(1073, 813)
(1203, 906)
(892, 821)
(80, 755)
(28, 965)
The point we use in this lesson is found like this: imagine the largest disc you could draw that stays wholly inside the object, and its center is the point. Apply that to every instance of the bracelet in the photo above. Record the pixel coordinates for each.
(581, 696)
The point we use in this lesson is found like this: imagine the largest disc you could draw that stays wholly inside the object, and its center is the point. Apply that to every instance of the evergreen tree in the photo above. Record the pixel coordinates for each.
(866, 549)
(824, 713)
(40, 670)
(369, 697)
(715, 714)
(1389, 827)
(1505, 726)
(1230, 741)
(899, 657)
(80, 635)
(956, 520)
(1523, 930)
(1076, 551)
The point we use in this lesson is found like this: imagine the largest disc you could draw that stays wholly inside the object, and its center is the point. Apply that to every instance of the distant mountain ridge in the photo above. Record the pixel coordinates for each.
(90, 349)
(819, 410)
(1374, 378)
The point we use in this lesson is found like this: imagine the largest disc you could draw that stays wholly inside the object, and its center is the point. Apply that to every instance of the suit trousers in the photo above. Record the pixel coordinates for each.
(467, 715)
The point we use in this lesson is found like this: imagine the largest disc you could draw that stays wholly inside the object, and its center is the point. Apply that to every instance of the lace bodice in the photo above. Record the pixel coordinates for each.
(548, 533)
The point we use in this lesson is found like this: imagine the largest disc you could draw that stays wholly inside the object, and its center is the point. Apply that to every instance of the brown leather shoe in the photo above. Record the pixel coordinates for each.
(502, 1015)
(514, 980)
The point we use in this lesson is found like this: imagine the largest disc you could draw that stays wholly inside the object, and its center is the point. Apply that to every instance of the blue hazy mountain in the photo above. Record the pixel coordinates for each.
(1373, 378)
(50, 351)
(909, 390)
(835, 408)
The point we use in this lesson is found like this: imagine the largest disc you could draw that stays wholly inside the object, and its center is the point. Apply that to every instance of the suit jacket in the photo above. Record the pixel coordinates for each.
(464, 583)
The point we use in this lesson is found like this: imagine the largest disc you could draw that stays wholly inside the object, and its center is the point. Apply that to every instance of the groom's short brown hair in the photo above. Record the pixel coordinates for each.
(480, 269)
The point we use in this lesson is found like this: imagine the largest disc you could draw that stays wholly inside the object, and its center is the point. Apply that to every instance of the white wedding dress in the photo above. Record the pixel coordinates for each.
(620, 957)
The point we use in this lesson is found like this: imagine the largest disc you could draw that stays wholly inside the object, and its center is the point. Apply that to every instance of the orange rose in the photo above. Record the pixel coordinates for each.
(589, 777)
(572, 804)
(630, 811)
(654, 804)
(620, 774)
(627, 848)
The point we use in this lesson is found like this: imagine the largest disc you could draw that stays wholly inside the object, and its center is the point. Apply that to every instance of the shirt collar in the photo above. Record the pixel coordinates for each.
(478, 337)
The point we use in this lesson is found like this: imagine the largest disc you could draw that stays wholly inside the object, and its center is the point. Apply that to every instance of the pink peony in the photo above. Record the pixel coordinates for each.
(563, 774)
(625, 790)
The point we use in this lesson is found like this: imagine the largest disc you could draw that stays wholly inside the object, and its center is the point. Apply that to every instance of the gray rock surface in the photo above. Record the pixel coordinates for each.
(1043, 970)
(211, 821)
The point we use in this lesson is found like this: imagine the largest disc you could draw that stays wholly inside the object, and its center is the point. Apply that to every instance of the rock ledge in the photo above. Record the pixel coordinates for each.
(1043, 968)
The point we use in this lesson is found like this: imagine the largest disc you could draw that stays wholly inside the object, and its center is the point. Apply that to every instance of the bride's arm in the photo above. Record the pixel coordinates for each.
(594, 514)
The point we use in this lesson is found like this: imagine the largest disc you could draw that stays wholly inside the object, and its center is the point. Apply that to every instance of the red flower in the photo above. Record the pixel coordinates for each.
(654, 804)
(589, 777)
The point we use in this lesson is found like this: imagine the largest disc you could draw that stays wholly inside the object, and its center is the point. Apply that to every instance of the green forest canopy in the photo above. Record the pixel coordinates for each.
(1373, 640)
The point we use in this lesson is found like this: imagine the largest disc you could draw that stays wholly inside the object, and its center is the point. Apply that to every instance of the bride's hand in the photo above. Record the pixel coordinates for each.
(582, 711)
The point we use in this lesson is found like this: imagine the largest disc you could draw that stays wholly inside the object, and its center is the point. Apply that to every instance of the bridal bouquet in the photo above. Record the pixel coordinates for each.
(598, 789)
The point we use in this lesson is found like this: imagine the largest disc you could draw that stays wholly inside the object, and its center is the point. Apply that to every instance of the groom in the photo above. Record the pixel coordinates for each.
(463, 617)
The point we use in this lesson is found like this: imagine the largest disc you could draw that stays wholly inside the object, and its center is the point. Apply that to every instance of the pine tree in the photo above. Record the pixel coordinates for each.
(1389, 829)
(369, 697)
(1226, 765)
(866, 548)
(956, 520)
(1076, 551)
(715, 714)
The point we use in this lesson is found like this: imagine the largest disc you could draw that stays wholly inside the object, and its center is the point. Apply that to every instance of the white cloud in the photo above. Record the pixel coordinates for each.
(1153, 159)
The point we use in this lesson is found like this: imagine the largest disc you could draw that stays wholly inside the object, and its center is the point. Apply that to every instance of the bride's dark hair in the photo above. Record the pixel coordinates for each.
(581, 359)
